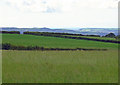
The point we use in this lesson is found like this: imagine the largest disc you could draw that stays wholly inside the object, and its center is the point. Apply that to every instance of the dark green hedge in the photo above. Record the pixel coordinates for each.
(57, 34)
(8, 46)
(10, 32)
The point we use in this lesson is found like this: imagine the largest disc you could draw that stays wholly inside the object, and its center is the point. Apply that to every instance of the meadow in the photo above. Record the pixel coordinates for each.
(58, 66)
(53, 42)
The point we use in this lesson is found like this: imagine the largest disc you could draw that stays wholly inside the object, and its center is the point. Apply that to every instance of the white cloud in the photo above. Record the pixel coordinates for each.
(60, 5)
(59, 13)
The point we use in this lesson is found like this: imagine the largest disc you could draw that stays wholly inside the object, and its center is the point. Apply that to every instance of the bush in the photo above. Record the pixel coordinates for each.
(6, 46)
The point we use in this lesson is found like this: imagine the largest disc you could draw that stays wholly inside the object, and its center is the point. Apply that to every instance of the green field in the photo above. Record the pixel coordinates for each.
(60, 66)
(101, 38)
(53, 42)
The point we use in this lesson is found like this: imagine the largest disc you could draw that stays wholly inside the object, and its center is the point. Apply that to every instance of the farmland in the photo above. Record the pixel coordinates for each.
(32, 40)
(58, 66)
(101, 38)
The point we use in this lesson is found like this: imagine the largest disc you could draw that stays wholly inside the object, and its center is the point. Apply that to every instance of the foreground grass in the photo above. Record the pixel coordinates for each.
(60, 66)
(53, 42)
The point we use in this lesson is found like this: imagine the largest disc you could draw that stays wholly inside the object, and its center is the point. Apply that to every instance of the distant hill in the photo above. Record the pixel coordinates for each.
(85, 31)
(99, 31)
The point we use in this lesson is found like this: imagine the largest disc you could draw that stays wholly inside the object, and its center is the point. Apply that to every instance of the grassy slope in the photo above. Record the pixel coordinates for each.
(32, 40)
(60, 66)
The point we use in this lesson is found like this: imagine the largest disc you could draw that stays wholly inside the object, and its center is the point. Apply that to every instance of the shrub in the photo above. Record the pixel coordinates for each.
(6, 46)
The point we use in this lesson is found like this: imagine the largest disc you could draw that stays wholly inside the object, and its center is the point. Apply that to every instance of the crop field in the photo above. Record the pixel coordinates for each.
(60, 66)
(32, 40)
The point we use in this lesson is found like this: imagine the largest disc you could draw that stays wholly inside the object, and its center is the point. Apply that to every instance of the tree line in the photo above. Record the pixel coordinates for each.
(10, 32)
(8, 46)
(112, 35)
(55, 34)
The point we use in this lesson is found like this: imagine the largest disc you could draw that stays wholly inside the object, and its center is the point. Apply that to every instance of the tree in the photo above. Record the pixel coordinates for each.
(112, 35)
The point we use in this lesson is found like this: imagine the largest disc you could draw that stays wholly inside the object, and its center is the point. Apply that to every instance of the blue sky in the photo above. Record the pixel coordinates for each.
(59, 13)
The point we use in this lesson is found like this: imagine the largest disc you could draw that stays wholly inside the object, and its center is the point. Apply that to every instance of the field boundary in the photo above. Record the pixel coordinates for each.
(69, 37)
(8, 46)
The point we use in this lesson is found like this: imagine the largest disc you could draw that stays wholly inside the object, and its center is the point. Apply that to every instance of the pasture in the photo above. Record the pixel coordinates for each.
(60, 66)
(54, 42)
(92, 37)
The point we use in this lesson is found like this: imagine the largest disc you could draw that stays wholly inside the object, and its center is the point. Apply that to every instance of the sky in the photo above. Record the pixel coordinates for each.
(59, 13)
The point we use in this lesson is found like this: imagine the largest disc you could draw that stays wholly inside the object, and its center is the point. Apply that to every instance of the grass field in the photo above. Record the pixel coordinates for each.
(101, 38)
(53, 42)
(60, 66)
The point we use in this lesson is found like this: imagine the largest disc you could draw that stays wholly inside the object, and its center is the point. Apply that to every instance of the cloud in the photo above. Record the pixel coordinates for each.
(51, 6)
(59, 13)
(50, 10)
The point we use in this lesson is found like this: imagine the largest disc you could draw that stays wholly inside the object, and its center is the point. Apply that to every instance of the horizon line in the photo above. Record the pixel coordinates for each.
(59, 27)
